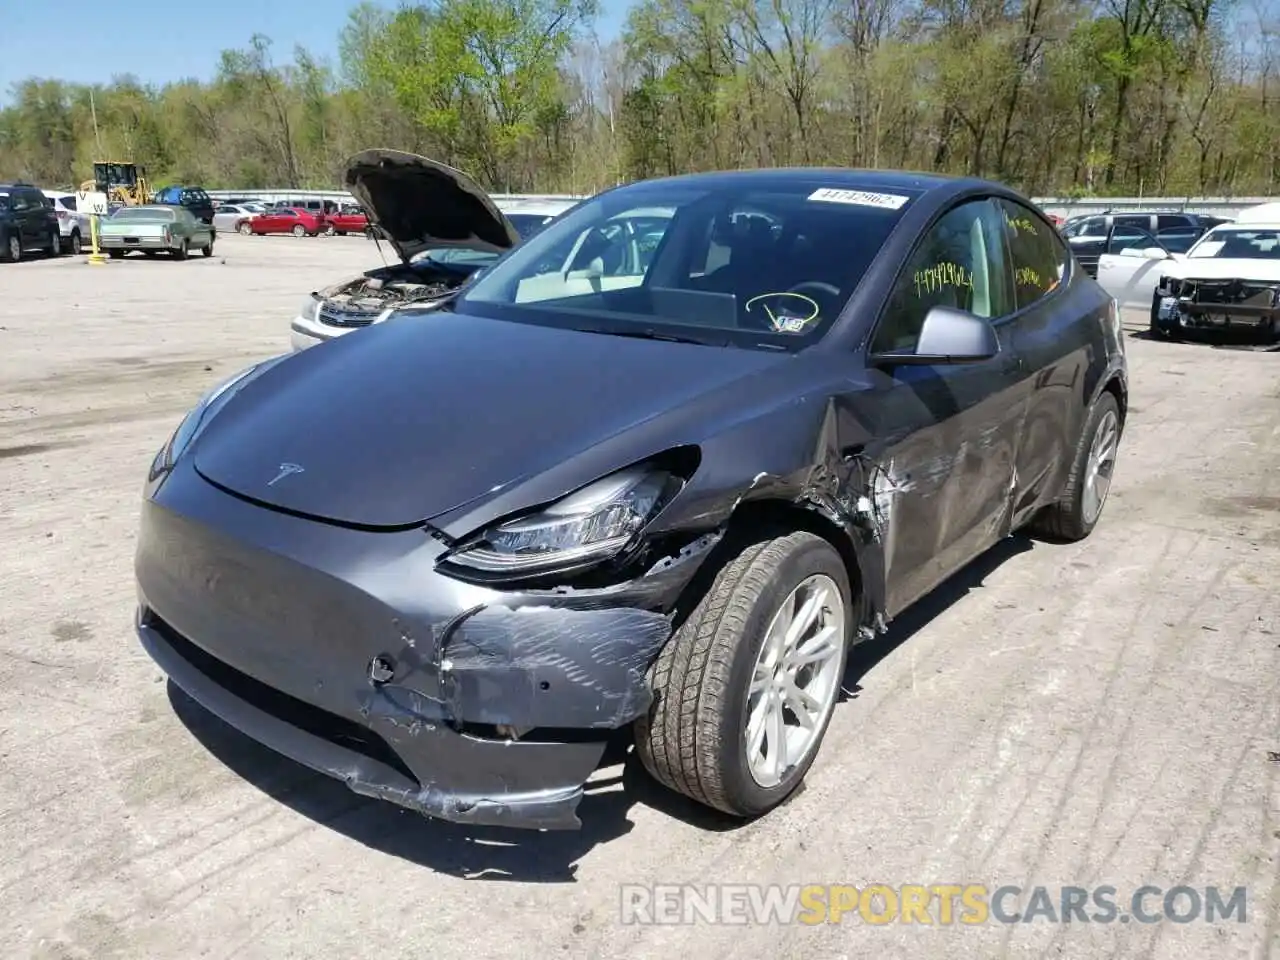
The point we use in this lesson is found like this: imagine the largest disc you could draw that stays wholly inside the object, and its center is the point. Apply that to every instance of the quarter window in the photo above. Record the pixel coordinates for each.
(960, 263)
(1037, 257)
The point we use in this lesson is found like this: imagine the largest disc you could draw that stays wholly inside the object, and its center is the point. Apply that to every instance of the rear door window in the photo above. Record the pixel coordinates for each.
(1141, 221)
(1038, 257)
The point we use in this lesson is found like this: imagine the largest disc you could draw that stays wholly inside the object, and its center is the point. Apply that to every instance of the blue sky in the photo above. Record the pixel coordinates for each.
(160, 40)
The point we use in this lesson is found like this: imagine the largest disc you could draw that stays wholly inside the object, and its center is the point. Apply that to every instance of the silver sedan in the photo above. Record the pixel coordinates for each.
(230, 216)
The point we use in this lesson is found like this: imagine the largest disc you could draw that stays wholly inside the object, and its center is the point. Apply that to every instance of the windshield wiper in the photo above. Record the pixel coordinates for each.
(648, 334)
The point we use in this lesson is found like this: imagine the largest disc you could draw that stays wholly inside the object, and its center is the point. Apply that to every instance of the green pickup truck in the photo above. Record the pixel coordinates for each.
(155, 229)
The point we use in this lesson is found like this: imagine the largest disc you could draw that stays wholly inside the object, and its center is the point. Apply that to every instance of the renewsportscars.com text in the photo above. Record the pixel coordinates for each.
(927, 904)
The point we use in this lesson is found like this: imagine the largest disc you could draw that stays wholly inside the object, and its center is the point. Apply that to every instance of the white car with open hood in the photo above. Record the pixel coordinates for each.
(1230, 278)
(443, 228)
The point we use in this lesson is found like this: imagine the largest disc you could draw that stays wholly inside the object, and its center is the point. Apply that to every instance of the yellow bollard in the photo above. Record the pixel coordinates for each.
(96, 257)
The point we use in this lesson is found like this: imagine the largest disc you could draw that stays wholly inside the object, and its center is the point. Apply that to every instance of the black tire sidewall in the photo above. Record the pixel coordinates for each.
(1100, 406)
(812, 555)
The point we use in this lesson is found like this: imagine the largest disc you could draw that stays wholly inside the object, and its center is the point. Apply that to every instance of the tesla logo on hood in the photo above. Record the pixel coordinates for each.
(286, 470)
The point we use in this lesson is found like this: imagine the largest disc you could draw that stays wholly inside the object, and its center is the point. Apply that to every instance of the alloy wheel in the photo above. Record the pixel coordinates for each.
(1101, 463)
(15, 249)
(796, 680)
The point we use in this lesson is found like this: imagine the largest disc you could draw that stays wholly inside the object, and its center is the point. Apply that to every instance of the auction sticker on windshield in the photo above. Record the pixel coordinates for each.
(860, 198)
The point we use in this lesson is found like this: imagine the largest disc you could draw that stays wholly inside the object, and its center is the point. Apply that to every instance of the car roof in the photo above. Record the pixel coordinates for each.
(1247, 225)
(926, 190)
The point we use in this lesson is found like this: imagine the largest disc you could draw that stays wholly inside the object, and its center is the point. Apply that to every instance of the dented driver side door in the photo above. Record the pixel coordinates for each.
(940, 469)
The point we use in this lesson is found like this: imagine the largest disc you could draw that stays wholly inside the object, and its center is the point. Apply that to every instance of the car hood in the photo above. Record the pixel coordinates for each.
(403, 422)
(421, 204)
(1213, 268)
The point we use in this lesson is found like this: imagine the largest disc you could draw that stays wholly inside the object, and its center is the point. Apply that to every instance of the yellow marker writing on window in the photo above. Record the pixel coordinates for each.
(941, 276)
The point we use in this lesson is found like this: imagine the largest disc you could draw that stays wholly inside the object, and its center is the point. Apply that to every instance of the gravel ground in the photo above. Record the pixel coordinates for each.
(1101, 713)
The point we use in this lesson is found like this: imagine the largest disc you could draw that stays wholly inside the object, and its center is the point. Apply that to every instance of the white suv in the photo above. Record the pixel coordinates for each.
(73, 226)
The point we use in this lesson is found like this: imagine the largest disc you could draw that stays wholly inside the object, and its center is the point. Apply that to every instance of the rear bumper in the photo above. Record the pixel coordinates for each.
(140, 243)
(347, 652)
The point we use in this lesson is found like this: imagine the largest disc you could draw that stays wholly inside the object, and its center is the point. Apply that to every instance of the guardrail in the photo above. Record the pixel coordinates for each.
(1065, 207)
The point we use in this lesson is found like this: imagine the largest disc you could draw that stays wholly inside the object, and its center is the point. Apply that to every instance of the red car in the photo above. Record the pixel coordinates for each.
(349, 220)
(299, 222)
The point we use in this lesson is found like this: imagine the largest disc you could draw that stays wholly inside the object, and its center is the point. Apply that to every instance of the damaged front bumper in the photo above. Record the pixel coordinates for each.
(1217, 305)
(346, 651)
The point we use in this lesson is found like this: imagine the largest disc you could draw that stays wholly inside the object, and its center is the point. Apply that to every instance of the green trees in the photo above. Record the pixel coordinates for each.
(1056, 96)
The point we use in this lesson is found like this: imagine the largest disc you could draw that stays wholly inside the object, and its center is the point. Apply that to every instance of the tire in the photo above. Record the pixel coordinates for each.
(75, 243)
(53, 247)
(183, 251)
(694, 737)
(115, 254)
(1071, 518)
(341, 233)
(329, 230)
(244, 229)
(299, 230)
(207, 249)
(13, 248)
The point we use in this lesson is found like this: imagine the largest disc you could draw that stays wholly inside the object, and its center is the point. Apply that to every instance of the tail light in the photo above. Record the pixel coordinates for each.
(63, 215)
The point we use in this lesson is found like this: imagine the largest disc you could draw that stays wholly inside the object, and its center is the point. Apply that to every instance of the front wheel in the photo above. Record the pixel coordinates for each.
(75, 243)
(13, 248)
(299, 230)
(207, 249)
(1076, 512)
(745, 688)
(244, 229)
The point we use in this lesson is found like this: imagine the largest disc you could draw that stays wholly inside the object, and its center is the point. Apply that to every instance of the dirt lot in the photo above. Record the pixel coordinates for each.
(1104, 713)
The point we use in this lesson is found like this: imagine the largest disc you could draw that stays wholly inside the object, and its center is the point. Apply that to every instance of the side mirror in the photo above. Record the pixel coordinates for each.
(1156, 253)
(948, 336)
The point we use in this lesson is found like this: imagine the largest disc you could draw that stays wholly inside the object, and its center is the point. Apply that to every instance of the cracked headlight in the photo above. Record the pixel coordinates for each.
(596, 523)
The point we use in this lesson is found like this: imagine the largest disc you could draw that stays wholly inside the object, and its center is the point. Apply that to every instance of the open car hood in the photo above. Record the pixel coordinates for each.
(421, 204)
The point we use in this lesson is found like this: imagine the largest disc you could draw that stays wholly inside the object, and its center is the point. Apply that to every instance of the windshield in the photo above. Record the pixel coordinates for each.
(1239, 244)
(755, 261)
(141, 213)
(526, 224)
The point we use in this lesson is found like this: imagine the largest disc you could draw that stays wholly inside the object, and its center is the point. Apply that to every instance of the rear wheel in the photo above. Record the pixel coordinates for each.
(299, 230)
(745, 688)
(53, 246)
(74, 243)
(244, 229)
(207, 249)
(183, 251)
(1077, 511)
(13, 248)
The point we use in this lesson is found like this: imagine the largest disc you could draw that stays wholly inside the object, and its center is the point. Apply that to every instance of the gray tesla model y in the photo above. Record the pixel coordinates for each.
(652, 472)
